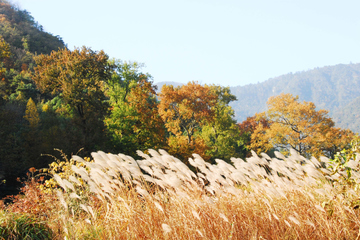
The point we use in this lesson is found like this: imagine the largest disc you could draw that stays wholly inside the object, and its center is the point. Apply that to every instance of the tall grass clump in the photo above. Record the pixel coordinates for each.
(23, 226)
(159, 197)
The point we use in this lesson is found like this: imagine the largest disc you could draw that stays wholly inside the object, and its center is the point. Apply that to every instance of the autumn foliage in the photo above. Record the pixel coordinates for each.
(185, 110)
(134, 122)
(298, 126)
(32, 114)
(77, 78)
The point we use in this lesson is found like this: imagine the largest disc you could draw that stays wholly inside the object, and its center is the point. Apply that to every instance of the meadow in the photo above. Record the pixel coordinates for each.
(159, 197)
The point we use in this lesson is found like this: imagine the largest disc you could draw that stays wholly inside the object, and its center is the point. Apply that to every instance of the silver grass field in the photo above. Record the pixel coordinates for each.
(159, 197)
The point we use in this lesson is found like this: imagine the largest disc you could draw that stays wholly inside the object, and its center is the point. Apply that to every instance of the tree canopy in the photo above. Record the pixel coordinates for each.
(184, 110)
(134, 122)
(297, 125)
(221, 135)
(78, 77)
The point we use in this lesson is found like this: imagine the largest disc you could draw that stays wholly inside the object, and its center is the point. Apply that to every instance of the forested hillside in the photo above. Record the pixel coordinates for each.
(21, 38)
(333, 88)
(24, 34)
(82, 101)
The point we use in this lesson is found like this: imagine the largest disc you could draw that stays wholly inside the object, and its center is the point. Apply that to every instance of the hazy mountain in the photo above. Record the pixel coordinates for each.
(334, 88)
(348, 116)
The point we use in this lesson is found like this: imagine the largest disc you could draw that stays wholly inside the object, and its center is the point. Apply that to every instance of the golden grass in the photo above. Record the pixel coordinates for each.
(158, 197)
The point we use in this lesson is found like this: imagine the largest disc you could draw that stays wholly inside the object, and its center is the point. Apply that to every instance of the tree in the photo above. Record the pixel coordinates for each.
(4, 58)
(134, 122)
(31, 114)
(253, 128)
(222, 135)
(78, 78)
(298, 126)
(185, 109)
(336, 140)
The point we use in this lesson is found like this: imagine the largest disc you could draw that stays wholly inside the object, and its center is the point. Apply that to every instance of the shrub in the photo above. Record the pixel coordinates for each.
(22, 226)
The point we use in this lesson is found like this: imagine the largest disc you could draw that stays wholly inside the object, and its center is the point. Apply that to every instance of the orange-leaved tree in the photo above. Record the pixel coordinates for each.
(248, 127)
(298, 125)
(184, 110)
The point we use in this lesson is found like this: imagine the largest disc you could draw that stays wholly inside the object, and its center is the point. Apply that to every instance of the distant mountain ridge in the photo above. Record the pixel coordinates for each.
(333, 88)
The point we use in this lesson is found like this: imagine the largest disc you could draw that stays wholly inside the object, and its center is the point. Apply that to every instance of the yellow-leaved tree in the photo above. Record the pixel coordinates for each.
(77, 77)
(4, 58)
(298, 125)
(184, 110)
(32, 114)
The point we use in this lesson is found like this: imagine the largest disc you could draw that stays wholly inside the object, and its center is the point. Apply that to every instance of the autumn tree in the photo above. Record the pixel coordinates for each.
(77, 77)
(184, 110)
(222, 135)
(336, 140)
(134, 122)
(32, 114)
(248, 127)
(299, 126)
(4, 56)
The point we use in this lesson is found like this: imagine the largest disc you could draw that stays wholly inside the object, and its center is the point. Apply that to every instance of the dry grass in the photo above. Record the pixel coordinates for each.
(158, 197)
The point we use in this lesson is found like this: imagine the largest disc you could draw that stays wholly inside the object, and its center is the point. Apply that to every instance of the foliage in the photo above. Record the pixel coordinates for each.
(134, 122)
(4, 50)
(62, 168)
(31, 114)
(12, 141)
(299, 126)
(22, 226)
(248, 127)
(21, 87)
(19, 28)
(222, 135)
(78, 78)
(184, 110)
(4, 56)
(346, 162)
(32, 200)
(20, 39)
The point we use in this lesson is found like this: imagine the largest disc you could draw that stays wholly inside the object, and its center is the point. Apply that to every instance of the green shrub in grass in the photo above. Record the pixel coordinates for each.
(22, 226)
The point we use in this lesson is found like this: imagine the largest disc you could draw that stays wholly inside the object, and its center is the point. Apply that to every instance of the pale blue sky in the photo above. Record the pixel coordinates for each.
(226, 42)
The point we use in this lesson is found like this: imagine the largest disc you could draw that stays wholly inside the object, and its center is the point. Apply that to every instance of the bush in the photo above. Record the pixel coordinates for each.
(22, 226)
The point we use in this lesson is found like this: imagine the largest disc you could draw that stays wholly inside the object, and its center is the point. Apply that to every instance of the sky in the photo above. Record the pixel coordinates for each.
(222, 42)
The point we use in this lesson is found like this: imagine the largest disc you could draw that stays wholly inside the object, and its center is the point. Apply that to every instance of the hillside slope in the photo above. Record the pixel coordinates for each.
(20, 30)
